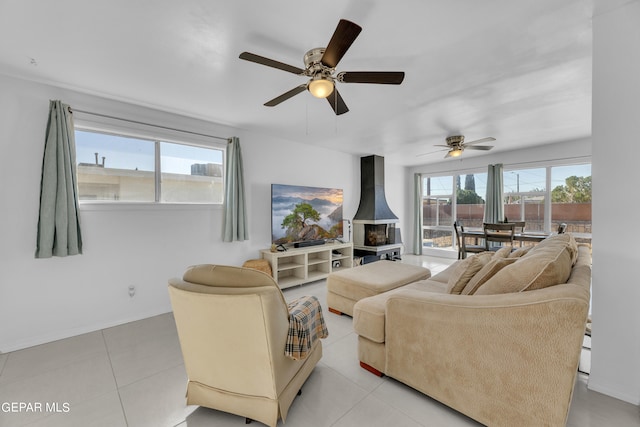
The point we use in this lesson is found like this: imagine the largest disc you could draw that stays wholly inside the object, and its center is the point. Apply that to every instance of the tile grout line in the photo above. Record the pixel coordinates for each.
(115, 381)
(367, 394)
(4, 364)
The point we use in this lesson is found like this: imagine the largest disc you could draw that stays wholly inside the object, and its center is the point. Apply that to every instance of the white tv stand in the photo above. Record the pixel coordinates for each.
(296, 266)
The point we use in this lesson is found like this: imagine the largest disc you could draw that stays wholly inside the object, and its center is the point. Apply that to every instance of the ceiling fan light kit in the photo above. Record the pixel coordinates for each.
(456, 145)
(455, 152)
(321, 86)
(320, 66)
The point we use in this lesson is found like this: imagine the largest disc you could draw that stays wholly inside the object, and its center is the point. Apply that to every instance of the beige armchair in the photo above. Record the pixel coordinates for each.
(233, 323)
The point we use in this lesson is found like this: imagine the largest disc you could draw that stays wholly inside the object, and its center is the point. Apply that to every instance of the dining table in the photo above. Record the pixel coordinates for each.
(535, 237)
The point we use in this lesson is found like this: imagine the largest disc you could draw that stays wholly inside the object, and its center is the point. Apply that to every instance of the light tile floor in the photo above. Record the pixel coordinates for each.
(133, 375)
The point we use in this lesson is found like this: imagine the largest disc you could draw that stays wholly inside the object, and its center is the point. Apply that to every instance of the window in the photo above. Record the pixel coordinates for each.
(190, 174)
(525, 196)
(436, 212)
(565, 199)
(571, 198)
(127, 169)
(441, 204)
(543, 197)
(471, 189)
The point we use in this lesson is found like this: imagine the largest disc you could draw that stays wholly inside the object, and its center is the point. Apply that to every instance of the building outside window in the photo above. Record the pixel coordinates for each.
(121, 168)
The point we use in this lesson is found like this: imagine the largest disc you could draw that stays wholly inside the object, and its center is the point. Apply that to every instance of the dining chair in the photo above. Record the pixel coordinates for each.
(498, 233)
(519, 228)
(463, 247)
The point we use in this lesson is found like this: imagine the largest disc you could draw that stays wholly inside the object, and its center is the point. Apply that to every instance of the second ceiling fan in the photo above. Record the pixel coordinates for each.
(456, 145)
(320, 66)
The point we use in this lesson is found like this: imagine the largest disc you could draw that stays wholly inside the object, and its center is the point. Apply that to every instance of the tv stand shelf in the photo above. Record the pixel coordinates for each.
(296, 266)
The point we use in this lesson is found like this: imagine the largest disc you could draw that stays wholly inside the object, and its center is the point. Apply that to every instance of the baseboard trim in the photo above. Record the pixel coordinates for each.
(612, 392)
(68, 333)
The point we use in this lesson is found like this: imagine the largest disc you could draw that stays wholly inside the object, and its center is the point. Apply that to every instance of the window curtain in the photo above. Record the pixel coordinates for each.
(59, 221)
(494, 206)
(235, 209)
(418, 219)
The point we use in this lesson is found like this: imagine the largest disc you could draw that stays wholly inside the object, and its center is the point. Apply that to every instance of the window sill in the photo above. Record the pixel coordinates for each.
(147, 206)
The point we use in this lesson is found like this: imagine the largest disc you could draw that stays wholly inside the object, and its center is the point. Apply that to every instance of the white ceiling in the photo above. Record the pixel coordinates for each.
(519, 71)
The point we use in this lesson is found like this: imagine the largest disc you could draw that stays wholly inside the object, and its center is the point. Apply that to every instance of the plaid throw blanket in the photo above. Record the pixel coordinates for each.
(306, 325)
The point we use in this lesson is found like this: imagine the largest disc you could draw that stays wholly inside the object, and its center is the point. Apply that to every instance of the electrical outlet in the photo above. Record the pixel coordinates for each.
(132, 291)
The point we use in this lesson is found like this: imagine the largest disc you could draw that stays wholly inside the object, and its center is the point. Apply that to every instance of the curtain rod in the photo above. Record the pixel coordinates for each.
(147, 124)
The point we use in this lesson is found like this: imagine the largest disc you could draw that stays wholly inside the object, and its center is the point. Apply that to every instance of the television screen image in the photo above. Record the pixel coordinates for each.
(301, 213)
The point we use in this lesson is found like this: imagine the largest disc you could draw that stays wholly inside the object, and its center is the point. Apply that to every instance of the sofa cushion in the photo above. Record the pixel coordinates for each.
(502, 252)
(464, 270)
(545, 265)
(566, 240)
(369, 313)
(374, 278)
(428, 285)
(520, 252)
(369, 317)
(486, 273)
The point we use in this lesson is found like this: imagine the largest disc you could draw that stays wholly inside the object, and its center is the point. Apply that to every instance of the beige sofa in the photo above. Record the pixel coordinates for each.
(495, 336)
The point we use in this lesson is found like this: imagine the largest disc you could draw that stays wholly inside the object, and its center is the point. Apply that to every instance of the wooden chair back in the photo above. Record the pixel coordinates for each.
(463, 246)
(498, 232)
(519, 226)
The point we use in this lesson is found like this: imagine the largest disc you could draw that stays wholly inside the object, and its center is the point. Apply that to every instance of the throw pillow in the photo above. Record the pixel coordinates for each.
(520, 252)
(545, 267)
(464, 271)
(502, 252)
(486, 273)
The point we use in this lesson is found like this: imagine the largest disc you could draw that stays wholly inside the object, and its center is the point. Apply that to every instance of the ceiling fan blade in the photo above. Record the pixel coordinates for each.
(379, 77)
(337, 103)
(477, 141)
(293, 92)
(446, 146)
(270, 63)
(430, 152)
(480, 147)
(343, 37)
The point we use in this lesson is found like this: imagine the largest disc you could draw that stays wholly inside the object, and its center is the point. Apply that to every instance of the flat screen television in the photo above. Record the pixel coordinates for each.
(305, 213)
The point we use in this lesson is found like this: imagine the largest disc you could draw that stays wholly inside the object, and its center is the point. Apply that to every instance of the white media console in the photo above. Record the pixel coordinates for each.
(296, 266)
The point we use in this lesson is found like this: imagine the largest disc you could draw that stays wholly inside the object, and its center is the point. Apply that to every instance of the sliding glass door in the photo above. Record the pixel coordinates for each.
(437, 204)
(544, 197)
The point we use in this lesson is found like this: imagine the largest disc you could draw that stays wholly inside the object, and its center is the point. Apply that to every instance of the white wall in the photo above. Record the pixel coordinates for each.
(616, 287)
(47, 299)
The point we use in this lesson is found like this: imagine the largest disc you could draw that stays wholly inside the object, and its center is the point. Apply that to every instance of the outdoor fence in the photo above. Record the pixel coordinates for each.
(577, 216)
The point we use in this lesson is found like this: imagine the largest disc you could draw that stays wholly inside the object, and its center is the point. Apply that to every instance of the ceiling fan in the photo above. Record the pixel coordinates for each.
(456, 145)
(320, 65)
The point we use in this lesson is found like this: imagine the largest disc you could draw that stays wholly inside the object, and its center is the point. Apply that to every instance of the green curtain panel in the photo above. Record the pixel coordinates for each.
(494, 206)
(418, 219)
(59, 221)
(235, 208)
